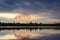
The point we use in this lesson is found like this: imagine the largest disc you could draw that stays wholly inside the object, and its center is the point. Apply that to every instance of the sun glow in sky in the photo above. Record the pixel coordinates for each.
(25, 17)
(19, 16)
(7, 15)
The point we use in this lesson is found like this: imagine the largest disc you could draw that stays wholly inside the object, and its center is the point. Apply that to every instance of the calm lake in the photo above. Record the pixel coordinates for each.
(27, 34)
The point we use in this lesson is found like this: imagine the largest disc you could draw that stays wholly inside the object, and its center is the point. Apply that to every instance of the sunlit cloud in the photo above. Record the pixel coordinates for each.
(25, 17)
(18, 17)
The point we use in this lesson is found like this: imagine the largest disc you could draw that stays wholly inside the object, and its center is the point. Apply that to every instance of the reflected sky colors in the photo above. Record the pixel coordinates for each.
(25, 33)
(45, 11)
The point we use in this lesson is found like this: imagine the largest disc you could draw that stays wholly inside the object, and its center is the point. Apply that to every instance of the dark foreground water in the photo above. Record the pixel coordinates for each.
(26, 34)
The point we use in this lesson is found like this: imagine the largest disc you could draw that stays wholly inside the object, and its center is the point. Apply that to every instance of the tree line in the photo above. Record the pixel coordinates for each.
(28, 24)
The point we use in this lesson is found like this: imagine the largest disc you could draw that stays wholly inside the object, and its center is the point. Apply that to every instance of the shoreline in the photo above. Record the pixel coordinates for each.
(29, 27)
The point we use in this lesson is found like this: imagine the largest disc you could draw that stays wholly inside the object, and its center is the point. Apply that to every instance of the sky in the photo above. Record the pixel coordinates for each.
(25, 11)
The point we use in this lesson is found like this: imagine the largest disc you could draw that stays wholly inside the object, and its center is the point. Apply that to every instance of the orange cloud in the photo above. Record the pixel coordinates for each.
(24, 17)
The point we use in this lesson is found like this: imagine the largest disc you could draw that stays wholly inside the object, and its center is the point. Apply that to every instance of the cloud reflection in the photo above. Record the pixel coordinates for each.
(23, 34)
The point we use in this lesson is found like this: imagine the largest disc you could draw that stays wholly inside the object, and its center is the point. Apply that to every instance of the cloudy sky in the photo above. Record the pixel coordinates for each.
(45, 11)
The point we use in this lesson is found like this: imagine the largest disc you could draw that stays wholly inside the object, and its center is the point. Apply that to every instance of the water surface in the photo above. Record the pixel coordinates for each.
(26, 34)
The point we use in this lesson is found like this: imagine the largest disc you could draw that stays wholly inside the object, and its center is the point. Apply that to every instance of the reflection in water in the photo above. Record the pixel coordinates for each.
(26, 34)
